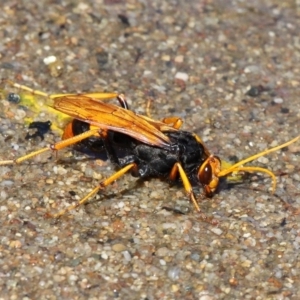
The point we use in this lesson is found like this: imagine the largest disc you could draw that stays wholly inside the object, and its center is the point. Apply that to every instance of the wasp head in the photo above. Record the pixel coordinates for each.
(208, 174)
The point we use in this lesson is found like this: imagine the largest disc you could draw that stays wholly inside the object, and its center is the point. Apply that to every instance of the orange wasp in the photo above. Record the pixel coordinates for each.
(140, 145)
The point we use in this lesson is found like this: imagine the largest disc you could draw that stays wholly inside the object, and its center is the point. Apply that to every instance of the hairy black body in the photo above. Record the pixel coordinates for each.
(151, 161)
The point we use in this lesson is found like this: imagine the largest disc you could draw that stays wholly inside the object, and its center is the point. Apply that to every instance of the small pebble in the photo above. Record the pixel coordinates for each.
(217, 231)
(164, 251)
(126, 255)
(174, 273)
(278, 100)
(118, 247)
(182, 76)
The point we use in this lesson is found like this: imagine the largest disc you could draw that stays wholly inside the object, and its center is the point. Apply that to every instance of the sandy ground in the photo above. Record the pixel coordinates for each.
(196, 60)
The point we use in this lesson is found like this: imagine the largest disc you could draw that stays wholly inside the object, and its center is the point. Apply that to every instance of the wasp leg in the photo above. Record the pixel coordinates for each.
(177, 168)
(198, 139)
(148, 108)
(110, 151)
(101, 186)
(174, 121)
(57, 146)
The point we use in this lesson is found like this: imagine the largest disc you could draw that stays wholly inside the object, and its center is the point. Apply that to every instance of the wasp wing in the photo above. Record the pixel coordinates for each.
(161, 126)
(112, 117)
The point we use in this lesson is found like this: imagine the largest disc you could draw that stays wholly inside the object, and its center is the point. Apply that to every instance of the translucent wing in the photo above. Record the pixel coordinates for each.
(111, 117)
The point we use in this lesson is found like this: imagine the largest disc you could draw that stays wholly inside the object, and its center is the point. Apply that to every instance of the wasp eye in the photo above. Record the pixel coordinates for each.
(208, 174)
(205, 174)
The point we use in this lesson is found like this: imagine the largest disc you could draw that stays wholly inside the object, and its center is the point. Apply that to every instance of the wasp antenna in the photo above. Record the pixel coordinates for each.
(25, 88)
(236, 166)
(35, 92)
(258, 169)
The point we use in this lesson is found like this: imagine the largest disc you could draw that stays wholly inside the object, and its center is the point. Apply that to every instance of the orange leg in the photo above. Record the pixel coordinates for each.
(148, 107)
(175, 122)
(198, 139)
(57, 146)
(177, 168)
(101, 186)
